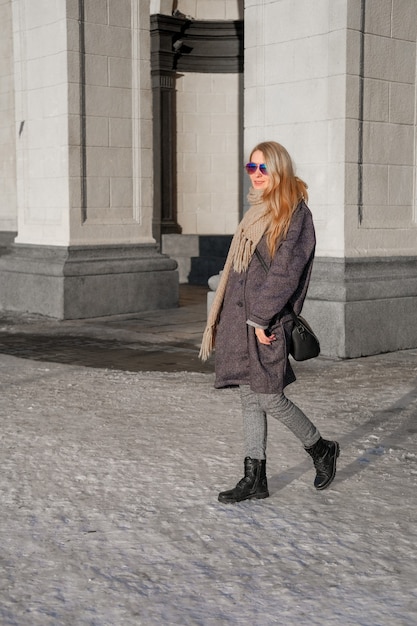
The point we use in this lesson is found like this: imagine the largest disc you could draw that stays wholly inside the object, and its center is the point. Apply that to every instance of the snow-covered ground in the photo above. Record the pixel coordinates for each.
(109, 512)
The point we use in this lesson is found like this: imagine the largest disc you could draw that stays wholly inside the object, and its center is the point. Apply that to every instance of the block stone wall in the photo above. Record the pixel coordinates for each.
(337, 87)
(208, 156)
(8, 214)
(83, 105)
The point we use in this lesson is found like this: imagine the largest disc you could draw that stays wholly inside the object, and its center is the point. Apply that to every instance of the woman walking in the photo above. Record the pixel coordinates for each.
(250, 321)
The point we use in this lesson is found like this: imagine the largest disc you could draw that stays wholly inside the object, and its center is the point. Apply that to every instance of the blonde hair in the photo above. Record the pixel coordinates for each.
(284, 192)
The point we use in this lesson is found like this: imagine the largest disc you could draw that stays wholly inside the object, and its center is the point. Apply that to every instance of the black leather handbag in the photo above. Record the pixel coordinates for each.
(304, 343)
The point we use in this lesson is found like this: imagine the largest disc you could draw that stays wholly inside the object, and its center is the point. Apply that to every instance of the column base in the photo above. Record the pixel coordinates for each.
(79, 282)
(360, 307)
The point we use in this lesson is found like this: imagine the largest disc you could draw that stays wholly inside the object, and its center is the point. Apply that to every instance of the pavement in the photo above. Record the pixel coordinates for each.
(163, 340)
(114, 445)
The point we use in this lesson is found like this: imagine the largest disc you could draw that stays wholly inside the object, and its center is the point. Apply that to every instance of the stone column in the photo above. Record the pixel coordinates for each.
(165, 189)
(164, 32)
(8, 214)
(337, 88)
(84, 246)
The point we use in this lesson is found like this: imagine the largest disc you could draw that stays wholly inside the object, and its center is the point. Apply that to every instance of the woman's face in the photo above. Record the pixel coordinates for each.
(258, 179)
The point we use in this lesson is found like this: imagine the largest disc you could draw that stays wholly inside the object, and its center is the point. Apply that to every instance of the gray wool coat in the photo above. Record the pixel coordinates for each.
(262, 298)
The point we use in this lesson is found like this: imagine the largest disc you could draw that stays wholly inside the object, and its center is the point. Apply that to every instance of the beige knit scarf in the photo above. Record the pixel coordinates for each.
(242, 248)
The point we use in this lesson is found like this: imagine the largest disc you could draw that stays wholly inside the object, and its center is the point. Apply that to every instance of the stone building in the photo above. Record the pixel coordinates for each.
(123, 131)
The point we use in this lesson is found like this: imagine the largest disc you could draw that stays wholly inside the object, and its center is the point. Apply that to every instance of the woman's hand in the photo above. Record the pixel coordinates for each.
(266, 340)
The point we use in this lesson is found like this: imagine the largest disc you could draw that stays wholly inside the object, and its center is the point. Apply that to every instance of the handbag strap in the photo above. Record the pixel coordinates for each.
(266, 268)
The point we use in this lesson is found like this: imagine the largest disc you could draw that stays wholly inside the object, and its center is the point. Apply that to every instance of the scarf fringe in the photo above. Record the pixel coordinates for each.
(243, 255)
(207, 344)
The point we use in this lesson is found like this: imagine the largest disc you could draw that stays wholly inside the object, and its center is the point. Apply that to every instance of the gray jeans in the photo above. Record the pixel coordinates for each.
(256, 407)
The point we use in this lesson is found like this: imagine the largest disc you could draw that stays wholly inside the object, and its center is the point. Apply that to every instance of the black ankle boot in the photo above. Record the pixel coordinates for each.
(252, 485)
(324, 454)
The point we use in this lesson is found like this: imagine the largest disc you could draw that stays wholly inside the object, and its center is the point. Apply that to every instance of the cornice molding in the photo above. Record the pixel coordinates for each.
(206, 46)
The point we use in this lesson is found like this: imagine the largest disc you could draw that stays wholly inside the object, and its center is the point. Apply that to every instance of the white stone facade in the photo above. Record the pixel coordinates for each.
(83, 167)
(67, 196)
(335, 84)
(208, 157)
(8, 215)
(344, 105)
(209, 131)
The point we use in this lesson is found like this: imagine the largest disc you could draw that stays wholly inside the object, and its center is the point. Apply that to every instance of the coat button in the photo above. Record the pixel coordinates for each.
(239, 303)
